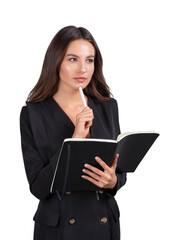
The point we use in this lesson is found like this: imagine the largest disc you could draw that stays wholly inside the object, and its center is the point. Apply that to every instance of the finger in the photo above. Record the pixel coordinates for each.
(89, 113)
(92, 180)
(95, 170)
(103, 164)
(87, 110)
(114, 163)
(88, 124)
(97, 177)
(85, 118)
(97, 183)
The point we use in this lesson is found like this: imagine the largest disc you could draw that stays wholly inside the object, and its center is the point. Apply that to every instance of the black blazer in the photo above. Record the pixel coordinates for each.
(79, 215)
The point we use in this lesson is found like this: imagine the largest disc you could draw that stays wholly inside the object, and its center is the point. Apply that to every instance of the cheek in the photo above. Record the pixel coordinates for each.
(65, 70)
(91, 70)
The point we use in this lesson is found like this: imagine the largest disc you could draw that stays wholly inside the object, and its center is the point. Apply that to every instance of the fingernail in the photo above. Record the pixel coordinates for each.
(86, 165)
(96, 158)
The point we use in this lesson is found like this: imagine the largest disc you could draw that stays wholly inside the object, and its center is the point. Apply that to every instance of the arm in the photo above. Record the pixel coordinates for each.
(111, 179)
(121, 177)
(39, 173)
(121, 180)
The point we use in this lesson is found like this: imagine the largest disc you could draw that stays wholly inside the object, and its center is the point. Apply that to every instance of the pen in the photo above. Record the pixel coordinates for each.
(82, 96)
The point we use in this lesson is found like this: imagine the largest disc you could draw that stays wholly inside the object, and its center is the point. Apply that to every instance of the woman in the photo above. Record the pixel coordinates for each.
(54, 111)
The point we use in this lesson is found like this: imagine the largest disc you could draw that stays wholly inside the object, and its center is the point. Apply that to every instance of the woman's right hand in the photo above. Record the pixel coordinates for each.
(83, 123)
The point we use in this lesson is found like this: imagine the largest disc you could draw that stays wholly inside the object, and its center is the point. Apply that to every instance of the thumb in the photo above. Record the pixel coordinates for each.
(114, 163)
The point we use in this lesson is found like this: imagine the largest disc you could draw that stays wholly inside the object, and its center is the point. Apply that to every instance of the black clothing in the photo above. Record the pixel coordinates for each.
(79, 215)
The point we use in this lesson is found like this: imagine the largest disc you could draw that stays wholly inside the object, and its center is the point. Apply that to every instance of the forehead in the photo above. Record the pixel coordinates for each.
(80, 47)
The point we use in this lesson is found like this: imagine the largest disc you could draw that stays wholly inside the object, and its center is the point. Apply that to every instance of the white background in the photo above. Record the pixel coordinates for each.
(145, 51)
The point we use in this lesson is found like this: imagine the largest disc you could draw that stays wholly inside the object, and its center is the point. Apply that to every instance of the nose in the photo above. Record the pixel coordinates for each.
(82, 66)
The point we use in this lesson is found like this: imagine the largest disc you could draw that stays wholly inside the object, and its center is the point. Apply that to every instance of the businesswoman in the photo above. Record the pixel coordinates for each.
(54, 111)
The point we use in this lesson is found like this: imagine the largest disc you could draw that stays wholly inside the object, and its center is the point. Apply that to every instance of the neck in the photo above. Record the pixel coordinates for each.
(68, 97)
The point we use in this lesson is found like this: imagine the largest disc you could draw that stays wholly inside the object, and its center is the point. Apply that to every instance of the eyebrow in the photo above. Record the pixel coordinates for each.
(78, 56)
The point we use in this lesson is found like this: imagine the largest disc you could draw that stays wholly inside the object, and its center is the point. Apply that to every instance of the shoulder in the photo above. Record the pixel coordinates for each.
(44, 102)
(31, 108)
(108, 106)
(113, 102)
(24, 113)
(36, 107)
(110, 103)
(24, 120)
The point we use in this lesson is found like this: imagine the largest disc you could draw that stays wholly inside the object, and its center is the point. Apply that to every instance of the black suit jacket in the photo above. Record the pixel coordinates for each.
(43, 128)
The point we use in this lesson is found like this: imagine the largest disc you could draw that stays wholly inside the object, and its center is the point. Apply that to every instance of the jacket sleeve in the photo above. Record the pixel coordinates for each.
(121, 177)
(39, 173)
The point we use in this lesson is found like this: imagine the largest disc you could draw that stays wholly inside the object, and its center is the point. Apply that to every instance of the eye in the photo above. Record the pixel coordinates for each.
(90, 60)
(72, 59)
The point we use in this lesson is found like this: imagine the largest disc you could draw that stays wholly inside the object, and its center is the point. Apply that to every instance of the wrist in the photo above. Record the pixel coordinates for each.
(77, 136)
(115, 182)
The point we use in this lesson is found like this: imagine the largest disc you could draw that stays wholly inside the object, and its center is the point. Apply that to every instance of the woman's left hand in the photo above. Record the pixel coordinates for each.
(103, 179)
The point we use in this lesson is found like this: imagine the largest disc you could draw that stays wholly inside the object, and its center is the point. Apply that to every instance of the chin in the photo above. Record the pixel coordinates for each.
(82, 85)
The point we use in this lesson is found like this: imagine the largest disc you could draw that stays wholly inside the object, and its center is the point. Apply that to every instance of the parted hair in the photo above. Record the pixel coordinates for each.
(48, 82)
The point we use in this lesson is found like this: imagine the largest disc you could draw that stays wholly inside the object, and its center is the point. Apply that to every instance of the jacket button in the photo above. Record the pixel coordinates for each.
(67, 193)
(100, 191)
(72, 221)
(104, 220)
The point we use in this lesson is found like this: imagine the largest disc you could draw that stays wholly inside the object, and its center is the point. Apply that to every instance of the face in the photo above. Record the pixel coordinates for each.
(77, 67)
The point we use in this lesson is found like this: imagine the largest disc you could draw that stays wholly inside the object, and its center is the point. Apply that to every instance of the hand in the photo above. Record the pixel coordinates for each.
(83, 123)
(103, 179)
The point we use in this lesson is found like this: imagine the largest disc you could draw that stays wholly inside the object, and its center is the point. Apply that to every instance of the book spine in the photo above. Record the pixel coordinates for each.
(67, 170)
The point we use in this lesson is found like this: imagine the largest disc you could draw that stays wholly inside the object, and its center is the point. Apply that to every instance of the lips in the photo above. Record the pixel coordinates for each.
(80, 79)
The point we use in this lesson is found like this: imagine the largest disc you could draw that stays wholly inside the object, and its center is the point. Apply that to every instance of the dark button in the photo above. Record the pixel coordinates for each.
(72, 221)
(104, 220)
(100, 191)
(67, 193)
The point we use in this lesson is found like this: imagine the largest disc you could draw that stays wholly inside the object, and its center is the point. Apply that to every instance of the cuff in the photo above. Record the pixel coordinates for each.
(121, 180)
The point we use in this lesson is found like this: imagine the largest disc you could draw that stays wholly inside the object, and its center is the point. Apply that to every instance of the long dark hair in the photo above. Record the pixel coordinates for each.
(48, 82)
